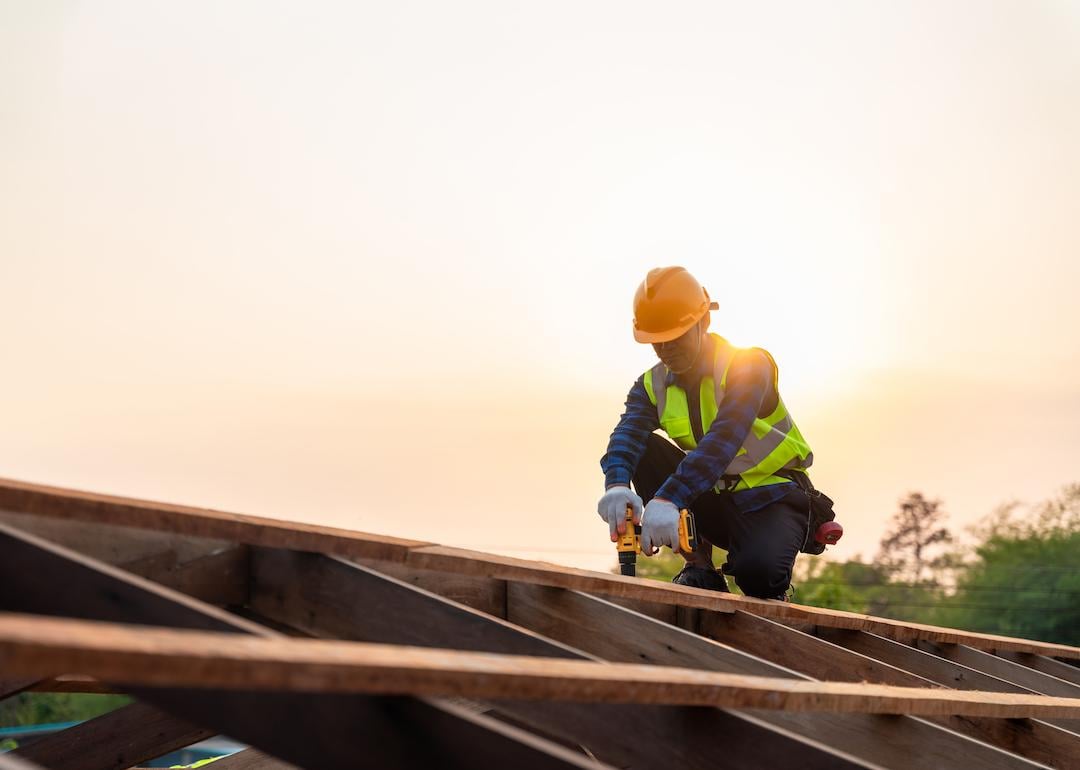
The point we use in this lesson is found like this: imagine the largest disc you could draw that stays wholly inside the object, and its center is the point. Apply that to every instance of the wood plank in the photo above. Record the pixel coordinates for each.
(9, 687)
(916, 661)
(382, 732)
(476, 563)
(70, 582)
(332, 598)
(1037, 740)
(146, 655)
(1043, 664)
(802, 652)
(210, 570)
(92, 589)
(1005, 670)
(615, 633)
(73, 683)
(324, 595)
(485, 594)
(113, 741)
(42, 500)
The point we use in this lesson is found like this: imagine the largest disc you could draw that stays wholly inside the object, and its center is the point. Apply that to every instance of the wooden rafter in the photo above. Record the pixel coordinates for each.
(20, 497)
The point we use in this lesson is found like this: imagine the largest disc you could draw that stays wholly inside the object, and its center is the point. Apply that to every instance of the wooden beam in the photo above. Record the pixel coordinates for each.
(151, 656)
(328, 596)
(916, 661)
(113, 741)
(42, 500)
(800, 651)
(383, 732)
(324, 736)
(614, 633)
(42, 577)
(1044, 665)
(481, 593)
(9, 687)
(1037, 740)
(331, 598)
(73, 683)
(618, 634)
(212, 571)
(1019, 676)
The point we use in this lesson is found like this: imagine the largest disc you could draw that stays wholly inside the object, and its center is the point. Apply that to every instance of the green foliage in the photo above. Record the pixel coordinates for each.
(9, 744)
(34, 708)
(1025, 579)
(1020, 579)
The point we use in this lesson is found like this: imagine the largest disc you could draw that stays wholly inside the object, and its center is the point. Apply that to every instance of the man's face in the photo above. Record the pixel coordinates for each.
(680, 354)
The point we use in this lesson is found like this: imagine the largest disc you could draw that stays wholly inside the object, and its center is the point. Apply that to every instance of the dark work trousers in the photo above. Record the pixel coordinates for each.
(761, 545)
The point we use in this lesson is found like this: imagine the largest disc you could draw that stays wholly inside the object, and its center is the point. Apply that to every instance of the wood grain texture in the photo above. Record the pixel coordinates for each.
(31, 645)
(334, 731)
(485, 594)
(323, 730)
(800, 651)
(1005, 670)
(39, 576)
(615, 633)
(332, 598)
(924, 664)
(352, 602)
(1044, 665)
(122, 738)
(20, 497)
(42, 500)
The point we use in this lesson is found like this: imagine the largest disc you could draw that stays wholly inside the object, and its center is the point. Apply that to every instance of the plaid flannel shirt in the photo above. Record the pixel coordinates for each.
(748, 384)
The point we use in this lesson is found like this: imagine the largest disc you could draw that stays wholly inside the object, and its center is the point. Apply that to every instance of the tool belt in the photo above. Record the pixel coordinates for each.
(819, 506)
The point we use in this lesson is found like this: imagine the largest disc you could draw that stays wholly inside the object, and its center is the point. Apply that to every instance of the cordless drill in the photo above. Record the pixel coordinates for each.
(629, 543)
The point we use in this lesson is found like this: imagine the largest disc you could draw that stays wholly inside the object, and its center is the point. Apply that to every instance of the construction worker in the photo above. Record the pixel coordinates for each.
(738, 461)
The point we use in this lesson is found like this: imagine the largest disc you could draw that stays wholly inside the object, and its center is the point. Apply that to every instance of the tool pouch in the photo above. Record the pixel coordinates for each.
(821, 511)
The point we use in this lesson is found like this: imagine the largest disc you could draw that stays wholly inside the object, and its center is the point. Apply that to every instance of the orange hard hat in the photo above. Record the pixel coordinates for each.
(667, 303)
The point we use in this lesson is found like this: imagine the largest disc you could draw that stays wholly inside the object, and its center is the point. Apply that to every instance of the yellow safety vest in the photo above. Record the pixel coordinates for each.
(774, 442)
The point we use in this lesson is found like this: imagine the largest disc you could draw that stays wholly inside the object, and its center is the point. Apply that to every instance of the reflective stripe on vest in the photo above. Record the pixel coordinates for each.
(773, 443)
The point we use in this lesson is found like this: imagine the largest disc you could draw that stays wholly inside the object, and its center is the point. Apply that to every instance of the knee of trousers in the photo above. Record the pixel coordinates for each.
(761, 577)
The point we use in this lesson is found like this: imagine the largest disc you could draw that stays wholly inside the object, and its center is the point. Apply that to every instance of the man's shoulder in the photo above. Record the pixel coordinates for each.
(753, 360)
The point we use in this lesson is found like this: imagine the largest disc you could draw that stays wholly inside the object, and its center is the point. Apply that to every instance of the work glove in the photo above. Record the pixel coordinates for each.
(659, 526)
(612, 509)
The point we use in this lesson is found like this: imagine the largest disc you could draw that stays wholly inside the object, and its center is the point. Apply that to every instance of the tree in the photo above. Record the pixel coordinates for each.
(914, 530)
(1024, 580)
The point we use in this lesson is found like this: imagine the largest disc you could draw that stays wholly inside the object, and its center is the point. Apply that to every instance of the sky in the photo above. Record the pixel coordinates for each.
(372, 264)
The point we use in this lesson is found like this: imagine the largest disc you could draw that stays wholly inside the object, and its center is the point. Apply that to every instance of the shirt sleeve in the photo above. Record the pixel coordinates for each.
(748, 383)
(627, 442)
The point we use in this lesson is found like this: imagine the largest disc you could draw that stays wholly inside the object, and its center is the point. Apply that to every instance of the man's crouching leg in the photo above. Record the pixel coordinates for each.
(764, 545)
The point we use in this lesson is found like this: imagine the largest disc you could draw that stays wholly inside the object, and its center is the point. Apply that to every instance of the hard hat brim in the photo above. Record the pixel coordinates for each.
(667, 335)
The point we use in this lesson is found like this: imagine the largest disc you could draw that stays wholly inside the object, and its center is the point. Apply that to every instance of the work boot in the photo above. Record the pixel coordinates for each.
(701, 577)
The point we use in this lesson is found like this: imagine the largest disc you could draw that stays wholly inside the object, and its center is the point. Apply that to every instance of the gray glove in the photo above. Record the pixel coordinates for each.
(612, 508)
(659, 526)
